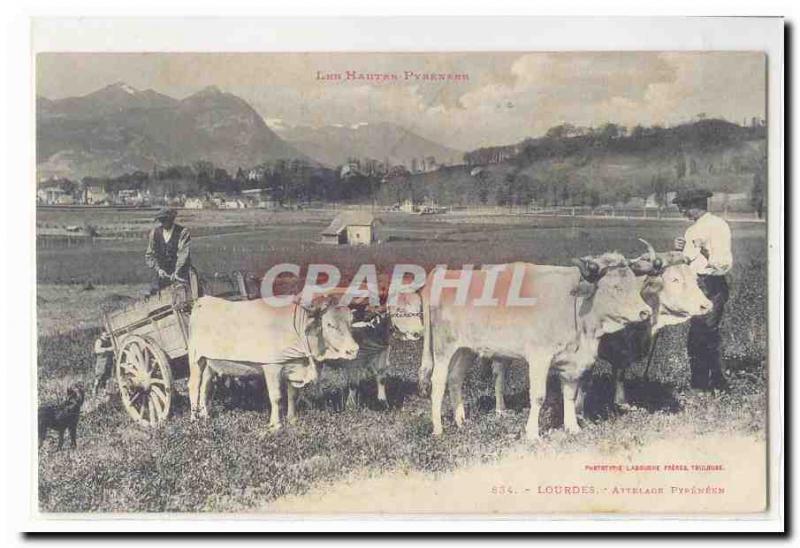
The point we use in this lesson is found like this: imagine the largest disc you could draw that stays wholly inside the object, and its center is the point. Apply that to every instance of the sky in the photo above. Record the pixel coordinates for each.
(505, 97)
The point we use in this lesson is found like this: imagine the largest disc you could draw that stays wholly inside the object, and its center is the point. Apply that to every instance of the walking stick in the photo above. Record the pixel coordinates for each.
(650, 355)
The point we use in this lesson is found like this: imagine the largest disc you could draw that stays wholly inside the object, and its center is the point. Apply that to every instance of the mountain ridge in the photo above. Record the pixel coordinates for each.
(335, 144)
(119, 129)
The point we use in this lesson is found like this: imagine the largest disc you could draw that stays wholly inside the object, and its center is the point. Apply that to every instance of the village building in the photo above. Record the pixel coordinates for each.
(130, 197)
(54, 196)
(652, 200)
(735, 201)
(95, 195)
(352, 228)
(234, 203)
(407, 206)
(259, 197)
(198, 203)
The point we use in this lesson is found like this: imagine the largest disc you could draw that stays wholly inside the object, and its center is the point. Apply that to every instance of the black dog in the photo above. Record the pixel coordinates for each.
(62, 416)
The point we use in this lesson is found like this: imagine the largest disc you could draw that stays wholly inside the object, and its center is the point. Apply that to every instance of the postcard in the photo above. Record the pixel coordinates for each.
(430, 283)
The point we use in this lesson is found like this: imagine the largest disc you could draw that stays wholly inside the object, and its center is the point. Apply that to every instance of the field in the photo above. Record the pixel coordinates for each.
(232, 463)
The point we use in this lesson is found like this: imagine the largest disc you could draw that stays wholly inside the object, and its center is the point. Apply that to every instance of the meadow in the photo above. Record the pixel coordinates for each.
(231, 462)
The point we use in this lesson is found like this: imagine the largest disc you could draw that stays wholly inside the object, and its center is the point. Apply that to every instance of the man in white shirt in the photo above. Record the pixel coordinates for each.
(707, 244)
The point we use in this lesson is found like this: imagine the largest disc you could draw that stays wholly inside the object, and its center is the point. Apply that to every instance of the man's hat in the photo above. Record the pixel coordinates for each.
(693, 197)
(165, 213)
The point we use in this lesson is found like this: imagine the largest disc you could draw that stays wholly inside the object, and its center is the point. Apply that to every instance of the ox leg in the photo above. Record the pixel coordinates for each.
(438, 385)
(426, 369)
(580, 397)
(499, 373)
(458, 371)
(203, 392)
(620, 399)
(381, 366)
(196, 367)
(569, 388)
(351, 377)
(291, 400)
(272, 378)
(537, 376)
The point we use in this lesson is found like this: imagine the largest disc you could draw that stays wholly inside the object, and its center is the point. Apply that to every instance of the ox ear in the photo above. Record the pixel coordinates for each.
(590, 270)
(641, 266)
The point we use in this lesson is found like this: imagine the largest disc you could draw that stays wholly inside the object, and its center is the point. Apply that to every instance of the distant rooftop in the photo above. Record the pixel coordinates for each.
(349, 218)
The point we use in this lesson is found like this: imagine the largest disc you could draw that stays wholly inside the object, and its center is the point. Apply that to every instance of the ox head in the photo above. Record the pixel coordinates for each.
(670, 287)
(612, 292)
(406, 316)
(329, 330)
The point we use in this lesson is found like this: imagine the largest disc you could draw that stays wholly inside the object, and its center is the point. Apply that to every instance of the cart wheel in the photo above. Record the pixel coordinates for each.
(144, 379)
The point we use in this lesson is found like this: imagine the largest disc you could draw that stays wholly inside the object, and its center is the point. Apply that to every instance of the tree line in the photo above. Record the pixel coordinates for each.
(555, 169)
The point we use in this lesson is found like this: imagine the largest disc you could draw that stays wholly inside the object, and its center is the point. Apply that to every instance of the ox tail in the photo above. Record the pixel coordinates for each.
(426, 367)
(196, 365)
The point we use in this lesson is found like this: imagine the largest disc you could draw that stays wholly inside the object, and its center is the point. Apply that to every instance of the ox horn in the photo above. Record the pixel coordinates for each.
(651, 253)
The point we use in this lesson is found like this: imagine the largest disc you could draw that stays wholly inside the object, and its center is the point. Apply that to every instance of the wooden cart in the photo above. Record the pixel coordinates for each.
(151, 342)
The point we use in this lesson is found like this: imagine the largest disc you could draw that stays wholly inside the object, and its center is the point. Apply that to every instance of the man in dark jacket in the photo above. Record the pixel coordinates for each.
(168, 251)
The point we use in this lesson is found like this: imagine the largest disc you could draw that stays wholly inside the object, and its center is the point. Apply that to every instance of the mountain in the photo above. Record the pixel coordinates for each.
(119, 129)
(333, 145)
(111, 99)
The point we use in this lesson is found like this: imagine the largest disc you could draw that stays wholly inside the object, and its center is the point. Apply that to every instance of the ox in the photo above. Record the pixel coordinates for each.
(373, 333)
(669, 287)
(573, 308)
(245, 338)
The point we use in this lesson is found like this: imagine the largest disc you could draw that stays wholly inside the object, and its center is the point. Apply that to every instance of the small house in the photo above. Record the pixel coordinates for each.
(259, 197)
(407, 206)
(53, 196)
(352, 228)
(195, 203)
(234, 203)
(95, 195)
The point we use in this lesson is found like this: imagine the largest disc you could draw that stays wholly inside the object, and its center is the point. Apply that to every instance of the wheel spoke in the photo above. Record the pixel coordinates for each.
(151, 412)
(159, 394)
(128, 368)
(138, 359)
(148, 360)
(137, 395)
(158, 402)
(136, 412)
(143, 406)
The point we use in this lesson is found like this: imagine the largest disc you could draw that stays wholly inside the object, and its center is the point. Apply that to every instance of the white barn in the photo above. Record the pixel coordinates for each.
(352, 228)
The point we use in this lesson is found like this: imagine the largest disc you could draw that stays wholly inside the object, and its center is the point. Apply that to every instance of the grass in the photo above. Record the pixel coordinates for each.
(231, 462)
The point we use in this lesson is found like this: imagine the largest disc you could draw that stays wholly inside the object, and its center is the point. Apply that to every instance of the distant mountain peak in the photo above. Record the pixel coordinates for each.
(209, 90)
(122, 86)
(335, 143)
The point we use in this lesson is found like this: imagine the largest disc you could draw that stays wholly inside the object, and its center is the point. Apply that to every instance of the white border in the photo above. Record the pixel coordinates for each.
(471, 34)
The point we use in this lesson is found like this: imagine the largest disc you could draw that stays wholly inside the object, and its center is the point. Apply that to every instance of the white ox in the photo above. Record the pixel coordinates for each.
(573, 308)
(669, 286)
(243, 338)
